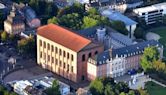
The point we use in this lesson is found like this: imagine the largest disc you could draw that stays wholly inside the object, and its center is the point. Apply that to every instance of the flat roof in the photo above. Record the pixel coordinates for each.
(151, 8)
(114, 15)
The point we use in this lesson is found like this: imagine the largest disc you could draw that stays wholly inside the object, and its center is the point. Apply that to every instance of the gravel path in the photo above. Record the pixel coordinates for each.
(152, 36)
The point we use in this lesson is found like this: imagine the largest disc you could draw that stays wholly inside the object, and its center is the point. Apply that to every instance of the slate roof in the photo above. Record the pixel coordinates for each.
(102, 57)
(135, 48)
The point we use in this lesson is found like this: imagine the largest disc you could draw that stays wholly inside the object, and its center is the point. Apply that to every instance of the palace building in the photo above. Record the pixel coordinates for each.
(64, 52)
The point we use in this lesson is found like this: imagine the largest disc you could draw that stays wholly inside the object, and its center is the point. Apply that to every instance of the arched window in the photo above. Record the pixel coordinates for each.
(89, 55)
(83, 57)
(96, 52)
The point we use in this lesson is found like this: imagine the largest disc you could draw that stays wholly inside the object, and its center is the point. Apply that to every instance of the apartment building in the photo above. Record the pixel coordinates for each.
(116, 62)
(64, 52)
(151, 14)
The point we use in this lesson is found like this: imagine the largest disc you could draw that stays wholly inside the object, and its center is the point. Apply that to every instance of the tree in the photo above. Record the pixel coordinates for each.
(131, 92)
(26, 45)
(108, 90)
(122, 93)
(51, 9)
(143, 92)
(72, 21)
(53, 20)
(119, 26)
(54, 89)
(139, 33)
(4, 36)
(96, 87)
(89, 22)
(150, 54)
(75, 8)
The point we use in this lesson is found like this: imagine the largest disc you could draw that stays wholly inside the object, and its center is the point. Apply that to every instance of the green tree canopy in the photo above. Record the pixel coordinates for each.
(139, 33)
(72, 21)
(4, 36)
(96, 87)
(54, 90)
(53, 20)
(89, 22)
(150, 54)
(119, 26)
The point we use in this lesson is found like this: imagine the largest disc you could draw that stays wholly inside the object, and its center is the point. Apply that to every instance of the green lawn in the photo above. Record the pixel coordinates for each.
(154, 89)
(162, 32)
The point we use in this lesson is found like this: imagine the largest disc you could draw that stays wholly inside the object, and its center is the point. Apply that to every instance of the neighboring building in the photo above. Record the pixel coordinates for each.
(116, 62)
(30, 17)
(107, 36)
(118, 5)
(28, 14)
(37, 86)
(64, 52)
(14, 23)
(151, 14)
(114, 15)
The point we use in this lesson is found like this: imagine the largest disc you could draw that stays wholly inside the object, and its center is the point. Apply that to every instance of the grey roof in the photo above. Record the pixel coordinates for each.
(134, 48)
(102, 57)
(89, 32)
(114, 15)
(121, 38)
(29, 13)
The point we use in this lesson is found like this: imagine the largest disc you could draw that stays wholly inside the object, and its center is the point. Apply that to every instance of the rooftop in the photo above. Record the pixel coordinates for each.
(151, 8)
(139, 48)
(114, 15)
(63, 36)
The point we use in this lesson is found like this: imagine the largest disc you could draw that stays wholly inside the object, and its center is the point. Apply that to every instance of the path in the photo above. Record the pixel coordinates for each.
(152, 36)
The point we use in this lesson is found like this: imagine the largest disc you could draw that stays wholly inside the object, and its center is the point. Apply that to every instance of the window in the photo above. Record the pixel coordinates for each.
(71, 68)
(52, 59)
(44, 56)
(67, 67)
(56, 60)
(48, 58)
(40, 43)
(64, 54)
(60, 52)
(48, 46)
(67, 55)
(83, 57)
(89, 55)
(96, 52)
(64, 65)
(40, 54)
(52, 48)
(60, 63)
(56, 49)
(72, 58)
(44, 44)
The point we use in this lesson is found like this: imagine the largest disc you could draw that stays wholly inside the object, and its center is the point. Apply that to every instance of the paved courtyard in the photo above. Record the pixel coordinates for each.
(26, 74)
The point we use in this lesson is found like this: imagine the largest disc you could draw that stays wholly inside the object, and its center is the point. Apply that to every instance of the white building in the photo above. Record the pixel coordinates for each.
(151, 14)
(114, 16)
(30, 87)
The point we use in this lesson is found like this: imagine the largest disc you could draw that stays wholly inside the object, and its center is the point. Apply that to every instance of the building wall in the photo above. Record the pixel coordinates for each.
(133, 62)
(63, 64)
(91, 69)
(14, 29)
(82, 64)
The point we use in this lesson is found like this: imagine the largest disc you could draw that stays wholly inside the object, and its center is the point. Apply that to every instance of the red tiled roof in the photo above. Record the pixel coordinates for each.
(63, 37)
